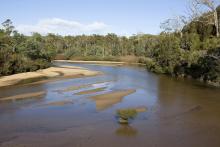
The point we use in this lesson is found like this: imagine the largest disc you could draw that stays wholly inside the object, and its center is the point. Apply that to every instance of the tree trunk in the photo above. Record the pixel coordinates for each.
(85, 54)
(216, 23)
(103, 52)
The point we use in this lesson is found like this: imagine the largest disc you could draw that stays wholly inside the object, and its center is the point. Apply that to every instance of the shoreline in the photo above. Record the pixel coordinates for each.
(45, 75)
(115, 63)
(98, 62)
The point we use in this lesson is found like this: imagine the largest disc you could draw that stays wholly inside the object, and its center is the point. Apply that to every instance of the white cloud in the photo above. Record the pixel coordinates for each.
(64, 27)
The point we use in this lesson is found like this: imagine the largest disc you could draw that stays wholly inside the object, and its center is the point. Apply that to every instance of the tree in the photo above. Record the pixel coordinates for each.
(168, 53)
(8, 27)
(197, 9)
(175, 24)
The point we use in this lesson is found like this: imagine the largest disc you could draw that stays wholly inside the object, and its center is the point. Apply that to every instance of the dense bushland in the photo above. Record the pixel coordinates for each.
(19, 53)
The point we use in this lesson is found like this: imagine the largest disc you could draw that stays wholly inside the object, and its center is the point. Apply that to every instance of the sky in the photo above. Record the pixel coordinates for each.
(76, 17)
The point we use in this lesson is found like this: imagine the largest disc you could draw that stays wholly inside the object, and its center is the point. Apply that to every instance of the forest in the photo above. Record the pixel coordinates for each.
(185, 48)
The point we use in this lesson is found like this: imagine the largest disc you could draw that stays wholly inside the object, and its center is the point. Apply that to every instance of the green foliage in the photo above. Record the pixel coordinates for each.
(126, 114)
(208, 67)
(211, 43)
(168, 53)
(191, 42)
(200, 27)
(19, 53)
(193, 52)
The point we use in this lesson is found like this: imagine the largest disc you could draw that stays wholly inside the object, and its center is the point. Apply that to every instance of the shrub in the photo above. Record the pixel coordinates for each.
(126, 114)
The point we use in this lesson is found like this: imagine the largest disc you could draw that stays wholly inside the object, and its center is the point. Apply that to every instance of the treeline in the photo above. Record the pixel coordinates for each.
(192, 51)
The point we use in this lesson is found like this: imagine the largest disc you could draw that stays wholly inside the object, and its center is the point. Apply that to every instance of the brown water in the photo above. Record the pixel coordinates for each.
(181, 113)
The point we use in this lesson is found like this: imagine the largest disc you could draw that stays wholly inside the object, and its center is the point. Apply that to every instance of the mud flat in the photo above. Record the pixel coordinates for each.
(46, 74)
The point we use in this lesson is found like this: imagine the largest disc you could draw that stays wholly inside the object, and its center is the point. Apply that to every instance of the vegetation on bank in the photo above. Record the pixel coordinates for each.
(186, 48)
(19, 53)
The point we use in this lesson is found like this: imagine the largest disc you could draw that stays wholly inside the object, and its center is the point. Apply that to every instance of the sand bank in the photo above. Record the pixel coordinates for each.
(59, 103)
(52, 72)
(105, 101)
(24, 96)
(92, 91)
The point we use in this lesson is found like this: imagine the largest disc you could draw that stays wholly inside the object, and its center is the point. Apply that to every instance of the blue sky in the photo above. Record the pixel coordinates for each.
(70, 17)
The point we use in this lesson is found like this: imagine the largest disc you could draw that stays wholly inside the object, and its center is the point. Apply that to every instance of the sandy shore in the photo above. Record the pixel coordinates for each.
(52, 72)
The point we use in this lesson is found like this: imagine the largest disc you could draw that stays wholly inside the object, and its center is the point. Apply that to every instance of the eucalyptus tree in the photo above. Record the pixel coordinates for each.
(199, 7)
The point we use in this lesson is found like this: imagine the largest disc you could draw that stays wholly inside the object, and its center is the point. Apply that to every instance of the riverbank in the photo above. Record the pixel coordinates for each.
(116, 63)
(149, 63)
(46, 74)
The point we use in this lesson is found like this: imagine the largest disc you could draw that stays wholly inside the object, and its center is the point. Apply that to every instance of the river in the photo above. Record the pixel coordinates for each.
(183, 113)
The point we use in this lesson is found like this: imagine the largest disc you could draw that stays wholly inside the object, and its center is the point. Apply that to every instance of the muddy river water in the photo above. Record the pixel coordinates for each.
(76, 112)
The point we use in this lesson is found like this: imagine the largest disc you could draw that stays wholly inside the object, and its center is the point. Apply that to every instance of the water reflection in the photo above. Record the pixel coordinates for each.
(176, 97)
(126, 131)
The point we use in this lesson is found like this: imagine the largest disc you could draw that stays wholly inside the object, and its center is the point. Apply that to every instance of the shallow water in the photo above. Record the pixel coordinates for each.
(179, 112)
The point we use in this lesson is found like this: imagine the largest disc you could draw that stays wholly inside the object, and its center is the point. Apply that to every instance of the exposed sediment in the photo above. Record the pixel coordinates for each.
(46, 74)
